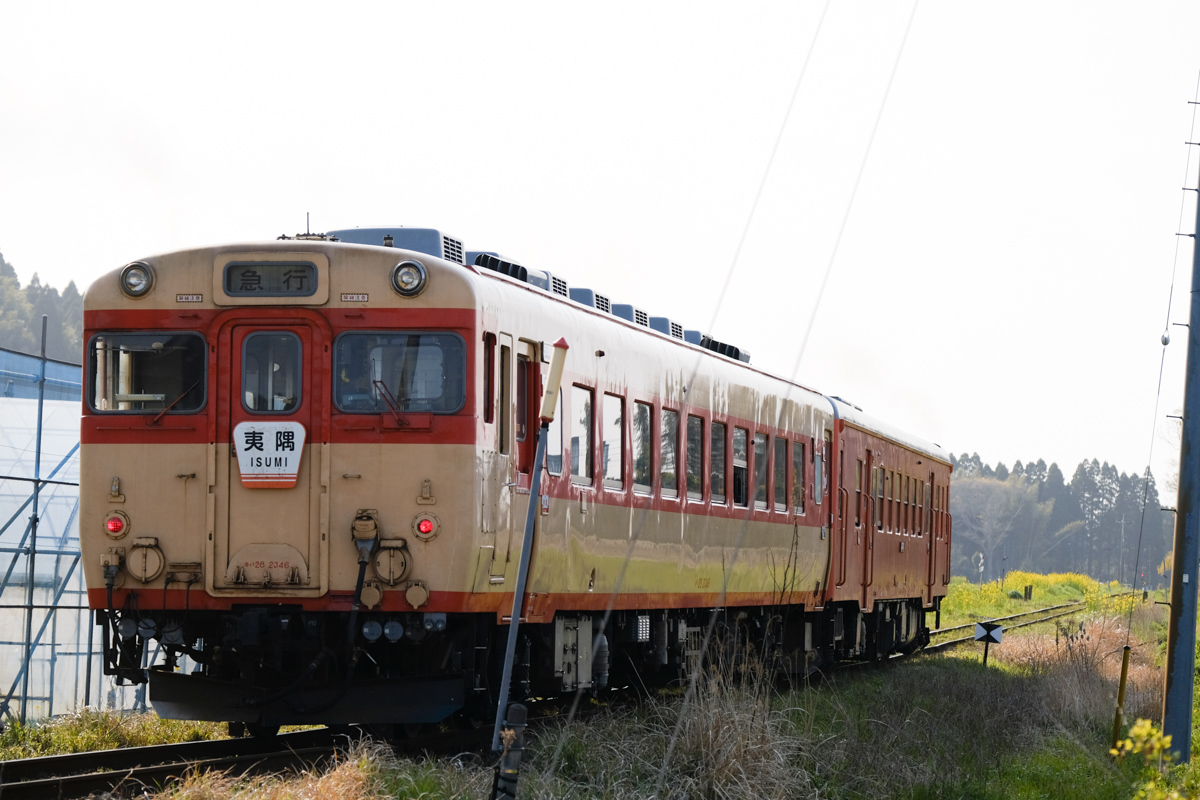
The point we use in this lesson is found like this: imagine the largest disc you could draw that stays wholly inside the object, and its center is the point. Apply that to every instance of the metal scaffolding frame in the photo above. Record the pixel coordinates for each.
(47, 637)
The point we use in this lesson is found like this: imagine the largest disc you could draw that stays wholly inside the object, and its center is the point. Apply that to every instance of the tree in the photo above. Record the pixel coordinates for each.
(1000, 517)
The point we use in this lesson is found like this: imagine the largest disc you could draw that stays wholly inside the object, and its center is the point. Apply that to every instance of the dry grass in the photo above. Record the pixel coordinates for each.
(355, 774)
(1079, 666)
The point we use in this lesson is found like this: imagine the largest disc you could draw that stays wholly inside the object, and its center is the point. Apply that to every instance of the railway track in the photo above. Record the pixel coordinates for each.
(132, 770)
(1072, 608)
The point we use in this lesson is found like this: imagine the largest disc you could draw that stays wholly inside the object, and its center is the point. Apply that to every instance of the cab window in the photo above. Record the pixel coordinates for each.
(147, 373)
(399, 371)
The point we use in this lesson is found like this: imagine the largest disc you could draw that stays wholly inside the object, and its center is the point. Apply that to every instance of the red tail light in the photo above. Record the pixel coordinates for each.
(115, 525)
(425, 526)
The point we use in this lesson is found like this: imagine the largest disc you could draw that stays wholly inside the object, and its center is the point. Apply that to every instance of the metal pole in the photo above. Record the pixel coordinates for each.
(549, 404)
(33, 523)
(87, 683)
(1185, 562)
(1116, 734)
(519, 591)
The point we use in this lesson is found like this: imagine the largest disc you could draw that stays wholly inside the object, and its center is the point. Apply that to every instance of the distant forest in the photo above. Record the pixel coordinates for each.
(1031, 518)
(21, 311)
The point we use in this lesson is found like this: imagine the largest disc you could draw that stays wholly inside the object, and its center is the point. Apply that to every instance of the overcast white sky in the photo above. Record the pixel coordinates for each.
(1001, 283)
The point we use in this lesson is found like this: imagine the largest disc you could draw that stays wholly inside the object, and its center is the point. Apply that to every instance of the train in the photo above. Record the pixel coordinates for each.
(306, 470)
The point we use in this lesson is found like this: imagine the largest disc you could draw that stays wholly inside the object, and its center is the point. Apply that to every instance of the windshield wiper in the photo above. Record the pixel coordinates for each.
(184, 394)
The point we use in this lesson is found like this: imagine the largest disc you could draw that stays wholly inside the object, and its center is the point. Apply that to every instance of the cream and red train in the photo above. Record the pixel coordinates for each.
(306, 466)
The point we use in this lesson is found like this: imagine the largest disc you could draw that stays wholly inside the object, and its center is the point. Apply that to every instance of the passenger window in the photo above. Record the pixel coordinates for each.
(489, 377)
(891, 496)
(554, 457)
(695, 458)
(581, 435)
(877, 493)
(760, 471)
(781, 465)
(818, 474)
(505, 397)
(799, 477)
(858, 486)
(717, 462)
(614, 440)
(522, 396)
(741, 467)
(642, 466)
(669, 450)
(271, 372)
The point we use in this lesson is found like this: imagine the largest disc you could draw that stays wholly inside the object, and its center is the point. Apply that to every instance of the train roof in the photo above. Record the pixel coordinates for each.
(853, 415)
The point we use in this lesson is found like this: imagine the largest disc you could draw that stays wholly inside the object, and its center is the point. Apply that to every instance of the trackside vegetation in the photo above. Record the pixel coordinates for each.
(1034, 723)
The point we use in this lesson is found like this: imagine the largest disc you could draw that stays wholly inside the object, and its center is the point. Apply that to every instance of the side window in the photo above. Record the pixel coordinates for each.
(716, 473)
(642, 462)
(858, 487)
(781, 465)
(799, 477)
(695, 458)
(741, 467)
(505, 397)
(581, 435)
(522, 397)
(554, 458)
(890, 522)
(670, 453)
(877, 493)
(760, 471)
(928, 514)
(613, 454)
(489, 377)
(271, 372)
(818, 474)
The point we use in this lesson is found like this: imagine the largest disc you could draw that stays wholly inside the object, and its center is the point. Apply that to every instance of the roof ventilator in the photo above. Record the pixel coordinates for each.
(586, 297)
(549, 282)
(665, 325)
(629, 312)
(727, 350)
(452, 249)
(489, 261)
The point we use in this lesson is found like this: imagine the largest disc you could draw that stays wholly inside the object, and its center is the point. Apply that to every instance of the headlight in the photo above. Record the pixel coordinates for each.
(408, 278)
(137, 279)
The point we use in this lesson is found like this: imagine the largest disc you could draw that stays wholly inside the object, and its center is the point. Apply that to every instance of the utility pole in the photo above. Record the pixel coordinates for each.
(1185, 563)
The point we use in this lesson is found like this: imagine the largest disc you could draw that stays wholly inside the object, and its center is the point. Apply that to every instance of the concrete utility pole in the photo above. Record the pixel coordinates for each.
(1185, 563)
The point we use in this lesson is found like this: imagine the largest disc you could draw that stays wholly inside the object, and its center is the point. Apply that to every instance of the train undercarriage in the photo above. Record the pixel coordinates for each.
(271, 665)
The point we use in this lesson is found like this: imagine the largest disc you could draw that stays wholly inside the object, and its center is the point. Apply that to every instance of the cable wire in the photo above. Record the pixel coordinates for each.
(1187, 169)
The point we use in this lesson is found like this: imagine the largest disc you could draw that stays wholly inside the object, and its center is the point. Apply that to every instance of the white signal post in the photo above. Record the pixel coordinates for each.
(549, 404)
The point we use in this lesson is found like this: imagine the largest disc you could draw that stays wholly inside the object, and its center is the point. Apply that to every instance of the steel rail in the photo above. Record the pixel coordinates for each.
(79, 774)
(1011, 616)
(955, 642)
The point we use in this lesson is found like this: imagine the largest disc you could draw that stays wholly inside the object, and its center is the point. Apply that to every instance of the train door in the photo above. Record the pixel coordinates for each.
(271, 532)
(497, 462)
(508, 468)
(867, 528)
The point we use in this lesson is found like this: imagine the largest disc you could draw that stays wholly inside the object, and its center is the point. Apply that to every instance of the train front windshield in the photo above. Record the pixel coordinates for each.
(147, 372)
(414, 371)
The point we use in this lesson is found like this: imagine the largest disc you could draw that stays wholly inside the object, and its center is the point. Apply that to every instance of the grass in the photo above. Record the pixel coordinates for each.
(1034, 723)
(90, 729)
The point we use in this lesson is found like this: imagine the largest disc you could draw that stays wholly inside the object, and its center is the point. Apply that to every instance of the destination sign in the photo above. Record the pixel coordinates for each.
(269, 453)
(270, 279)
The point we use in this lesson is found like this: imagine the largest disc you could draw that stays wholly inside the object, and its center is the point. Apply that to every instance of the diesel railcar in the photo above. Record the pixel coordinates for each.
(306, 466)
